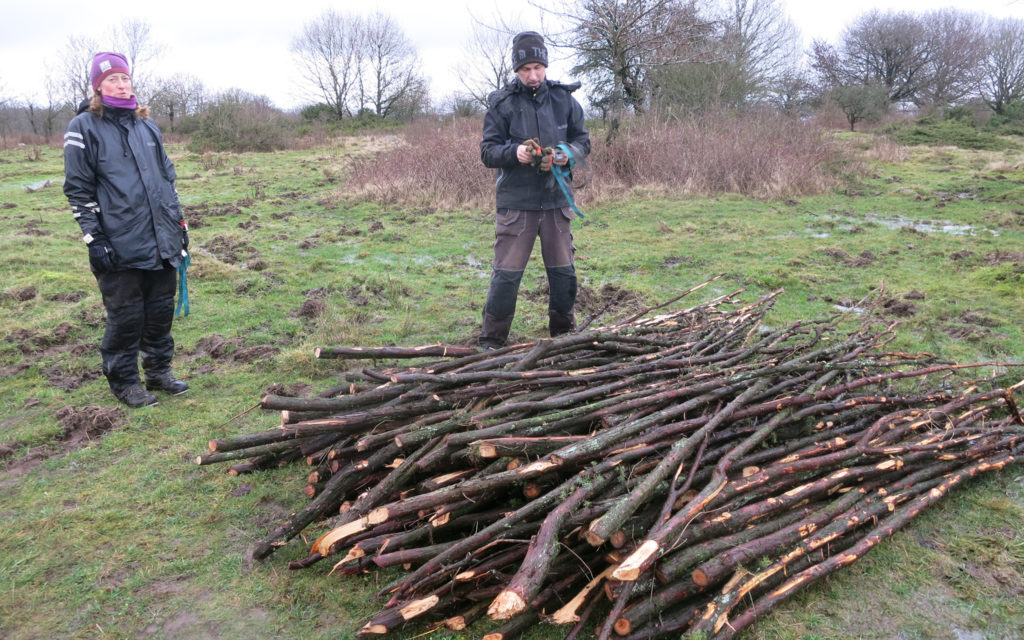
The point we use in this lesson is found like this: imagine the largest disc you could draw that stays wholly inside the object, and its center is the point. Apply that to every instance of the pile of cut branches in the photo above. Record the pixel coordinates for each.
(678, 473)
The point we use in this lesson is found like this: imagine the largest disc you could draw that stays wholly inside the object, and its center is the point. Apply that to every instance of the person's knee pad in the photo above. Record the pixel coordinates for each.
(501, 298)
(562, 287)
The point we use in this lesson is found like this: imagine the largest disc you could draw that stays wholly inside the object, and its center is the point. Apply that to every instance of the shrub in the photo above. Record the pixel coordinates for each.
(1010, 122)
(437, 164)
(238, 121)
(758, 154)
(946, 133)
(753, 153)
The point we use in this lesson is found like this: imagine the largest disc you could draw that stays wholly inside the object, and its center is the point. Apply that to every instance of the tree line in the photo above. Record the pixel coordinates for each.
(674, 58)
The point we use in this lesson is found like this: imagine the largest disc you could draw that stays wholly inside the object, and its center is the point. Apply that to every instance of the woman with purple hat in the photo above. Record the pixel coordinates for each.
(120, 184)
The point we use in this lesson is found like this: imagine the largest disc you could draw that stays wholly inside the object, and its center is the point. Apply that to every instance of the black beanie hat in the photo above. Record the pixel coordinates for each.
(528, 46)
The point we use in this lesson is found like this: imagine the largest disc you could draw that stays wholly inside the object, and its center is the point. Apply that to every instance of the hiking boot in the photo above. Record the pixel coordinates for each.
(136, 397)
(167, 383)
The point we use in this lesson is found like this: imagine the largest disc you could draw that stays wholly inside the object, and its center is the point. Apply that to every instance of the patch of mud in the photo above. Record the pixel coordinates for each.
(913, 294)
(977, 319)
(66, 381)
(295, 390)
(866, 258)
(24, 294)
(32, 229)
(217, 347)
(314, 305)
(31, 342)
(230, 349)
(960, 255)
(968, 333)
(229, 250)
(258, 352)
(70, 296)
(24, 464)
(898, 308)
(607, 302)
(997, 258)
(196, 214)
(312, 308)
(81, 426)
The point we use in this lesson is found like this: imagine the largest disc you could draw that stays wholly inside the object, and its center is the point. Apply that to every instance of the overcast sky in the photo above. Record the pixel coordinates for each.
(246, 45)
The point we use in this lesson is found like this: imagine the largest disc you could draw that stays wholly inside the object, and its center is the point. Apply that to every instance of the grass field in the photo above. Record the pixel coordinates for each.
(108, 529)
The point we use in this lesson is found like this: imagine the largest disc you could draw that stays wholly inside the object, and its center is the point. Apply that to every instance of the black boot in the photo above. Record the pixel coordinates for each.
(494, 332)
(166, 383)
(561, 323)
(135, 396)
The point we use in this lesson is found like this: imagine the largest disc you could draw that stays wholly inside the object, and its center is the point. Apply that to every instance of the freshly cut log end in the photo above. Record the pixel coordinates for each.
(455, 623)
(324, 543)
(629, 570)
(419, 607)
(700, 577)
(373, 630)
(592, 538)
(507, 604)
(623, 627)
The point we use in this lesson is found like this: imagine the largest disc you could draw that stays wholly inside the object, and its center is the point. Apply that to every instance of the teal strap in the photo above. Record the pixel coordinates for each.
(560, 177)
(182, 308)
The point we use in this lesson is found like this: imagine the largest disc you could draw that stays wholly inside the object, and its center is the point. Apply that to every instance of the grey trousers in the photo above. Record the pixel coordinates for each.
(516, 231)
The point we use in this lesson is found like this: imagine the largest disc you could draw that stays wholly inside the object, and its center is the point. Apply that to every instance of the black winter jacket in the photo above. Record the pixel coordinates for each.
(120, 184)
(518, 113)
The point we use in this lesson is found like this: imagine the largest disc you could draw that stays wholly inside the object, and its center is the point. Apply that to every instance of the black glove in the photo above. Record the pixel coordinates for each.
(101, 256)
(184, 238)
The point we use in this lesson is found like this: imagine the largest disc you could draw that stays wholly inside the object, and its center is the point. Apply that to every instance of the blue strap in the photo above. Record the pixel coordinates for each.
(182, 308)
(560, 175)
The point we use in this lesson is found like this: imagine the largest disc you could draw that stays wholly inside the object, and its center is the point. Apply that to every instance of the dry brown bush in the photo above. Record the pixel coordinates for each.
(760, 155)
(438, 167)
(754, 154)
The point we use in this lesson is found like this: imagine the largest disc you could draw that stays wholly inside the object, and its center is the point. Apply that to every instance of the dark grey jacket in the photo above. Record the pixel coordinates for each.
(120, 184)
(518, 113)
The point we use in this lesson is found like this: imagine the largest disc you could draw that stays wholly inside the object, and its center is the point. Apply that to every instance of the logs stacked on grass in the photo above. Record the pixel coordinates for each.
(693, 468)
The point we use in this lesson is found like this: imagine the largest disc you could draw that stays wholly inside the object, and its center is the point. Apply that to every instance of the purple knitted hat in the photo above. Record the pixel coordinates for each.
(104, 64)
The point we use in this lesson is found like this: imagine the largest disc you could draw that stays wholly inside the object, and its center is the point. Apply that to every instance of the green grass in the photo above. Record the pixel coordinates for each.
(127, 537)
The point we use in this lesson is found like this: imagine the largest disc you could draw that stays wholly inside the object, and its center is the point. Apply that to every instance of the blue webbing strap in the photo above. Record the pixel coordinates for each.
(182, 308)
(560, 178)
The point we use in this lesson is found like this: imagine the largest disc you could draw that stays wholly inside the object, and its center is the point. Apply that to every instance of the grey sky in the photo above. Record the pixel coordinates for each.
(246, 45)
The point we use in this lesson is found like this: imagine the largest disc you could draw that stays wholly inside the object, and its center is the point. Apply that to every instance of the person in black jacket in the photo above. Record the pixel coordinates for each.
(530, 203)
(120, 184)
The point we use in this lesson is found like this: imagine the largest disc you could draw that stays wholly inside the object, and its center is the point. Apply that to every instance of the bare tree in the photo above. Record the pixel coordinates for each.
(955, 41)
(133, 39)
(1003, 69)
(618, 43)
(760, 42)
(487, 63)
(888, 49)
(74, 68)
(328, 51)
(389, 65)
(178, 96)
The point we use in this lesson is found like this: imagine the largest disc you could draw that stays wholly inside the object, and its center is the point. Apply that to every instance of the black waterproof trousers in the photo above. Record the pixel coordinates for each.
(140, 310)
(515, 234)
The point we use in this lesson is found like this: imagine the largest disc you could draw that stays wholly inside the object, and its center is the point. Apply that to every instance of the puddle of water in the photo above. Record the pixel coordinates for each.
(927, 226)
